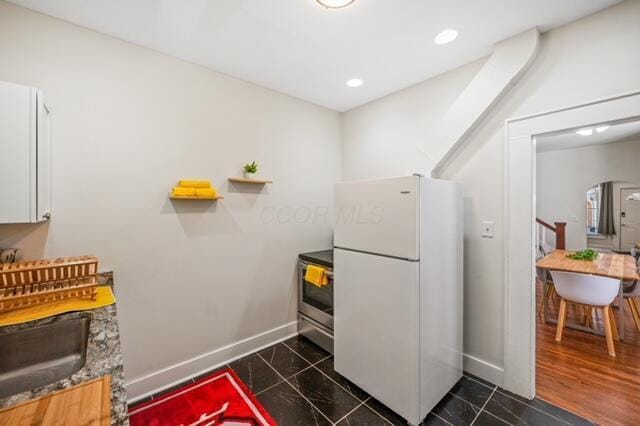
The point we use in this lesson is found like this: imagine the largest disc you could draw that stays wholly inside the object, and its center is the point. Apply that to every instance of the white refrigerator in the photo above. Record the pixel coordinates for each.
(398, 290)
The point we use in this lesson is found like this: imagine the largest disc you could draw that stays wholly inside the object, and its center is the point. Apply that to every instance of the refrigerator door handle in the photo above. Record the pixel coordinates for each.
(378, 254)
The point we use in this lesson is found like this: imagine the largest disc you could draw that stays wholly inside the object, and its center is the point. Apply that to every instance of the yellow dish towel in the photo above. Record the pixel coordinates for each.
(183, 192)
(206, 192)
(105, 298)
(191, 183)
(316, 276)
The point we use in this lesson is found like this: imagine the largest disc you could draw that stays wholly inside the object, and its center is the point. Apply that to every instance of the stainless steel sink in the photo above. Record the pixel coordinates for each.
(41, 355)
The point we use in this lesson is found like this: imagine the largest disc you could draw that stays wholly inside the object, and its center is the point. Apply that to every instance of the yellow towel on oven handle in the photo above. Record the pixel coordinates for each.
(316, 276)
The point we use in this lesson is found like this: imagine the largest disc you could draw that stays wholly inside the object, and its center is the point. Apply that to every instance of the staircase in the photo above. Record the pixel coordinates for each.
(550, 236)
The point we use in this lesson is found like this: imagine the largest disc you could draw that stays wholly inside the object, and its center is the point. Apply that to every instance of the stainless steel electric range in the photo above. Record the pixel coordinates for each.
(315, 304)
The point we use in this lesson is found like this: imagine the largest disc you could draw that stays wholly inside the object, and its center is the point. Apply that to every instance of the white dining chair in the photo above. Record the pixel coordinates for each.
(589, 290)
(631, 291)
(547, 282)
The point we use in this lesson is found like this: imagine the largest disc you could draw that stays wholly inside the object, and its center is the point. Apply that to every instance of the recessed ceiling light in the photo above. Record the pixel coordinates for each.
(585, 132)
(335, 4)
(446, 36)
(602, 128)
(354, 82)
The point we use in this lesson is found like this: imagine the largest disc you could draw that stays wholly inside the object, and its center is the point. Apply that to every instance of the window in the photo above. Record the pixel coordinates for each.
(593, 206)
(634, 197)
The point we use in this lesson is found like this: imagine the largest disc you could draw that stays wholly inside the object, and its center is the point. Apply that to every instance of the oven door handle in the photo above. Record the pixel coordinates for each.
(327, 272)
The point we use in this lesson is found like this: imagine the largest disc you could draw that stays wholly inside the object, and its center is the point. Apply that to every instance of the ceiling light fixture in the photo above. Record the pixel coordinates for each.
(335, 4)
(446, 36)
(585, 132)
(601, 129)
(354, 82)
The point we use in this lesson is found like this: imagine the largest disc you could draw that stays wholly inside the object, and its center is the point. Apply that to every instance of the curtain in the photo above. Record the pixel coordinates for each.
(605, 215)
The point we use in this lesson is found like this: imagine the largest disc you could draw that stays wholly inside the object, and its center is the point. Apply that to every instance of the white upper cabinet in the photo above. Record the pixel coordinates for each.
(25, 181)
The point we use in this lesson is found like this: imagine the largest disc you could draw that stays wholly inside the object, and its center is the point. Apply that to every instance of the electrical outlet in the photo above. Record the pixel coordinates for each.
(488, 229)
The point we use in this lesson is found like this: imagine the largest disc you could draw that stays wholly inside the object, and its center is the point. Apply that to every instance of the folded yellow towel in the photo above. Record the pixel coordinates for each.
(190, 183)
(316, 276)
(183, 192)
(206, 192)
(105, 298)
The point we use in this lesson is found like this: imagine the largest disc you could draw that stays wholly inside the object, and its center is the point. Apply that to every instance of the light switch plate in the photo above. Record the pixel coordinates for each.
(488, 229)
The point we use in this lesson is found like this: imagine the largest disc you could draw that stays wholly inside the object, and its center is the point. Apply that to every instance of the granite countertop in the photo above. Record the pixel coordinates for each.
(104, 356)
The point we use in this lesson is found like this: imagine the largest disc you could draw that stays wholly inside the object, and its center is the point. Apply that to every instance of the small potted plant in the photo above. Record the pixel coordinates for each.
(250, 170)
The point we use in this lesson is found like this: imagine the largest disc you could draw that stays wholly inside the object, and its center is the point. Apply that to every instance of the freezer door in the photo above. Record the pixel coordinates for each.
(378, 216)
(376, 327)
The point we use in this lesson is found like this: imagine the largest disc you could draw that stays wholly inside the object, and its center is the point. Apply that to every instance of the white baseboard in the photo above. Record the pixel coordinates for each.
(157, 381)
(484, 370)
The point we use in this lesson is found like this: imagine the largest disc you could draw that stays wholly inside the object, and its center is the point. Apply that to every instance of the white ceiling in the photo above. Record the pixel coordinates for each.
(570, 140)
(302, 49)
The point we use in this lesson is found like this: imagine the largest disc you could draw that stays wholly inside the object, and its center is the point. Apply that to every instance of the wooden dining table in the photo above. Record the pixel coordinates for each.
(612, 265)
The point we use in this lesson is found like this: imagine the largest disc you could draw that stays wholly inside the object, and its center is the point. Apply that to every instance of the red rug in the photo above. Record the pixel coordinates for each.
(220, 399)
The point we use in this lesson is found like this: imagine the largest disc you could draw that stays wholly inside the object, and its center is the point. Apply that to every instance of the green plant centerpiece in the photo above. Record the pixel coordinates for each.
(250, 170)
(587, 254)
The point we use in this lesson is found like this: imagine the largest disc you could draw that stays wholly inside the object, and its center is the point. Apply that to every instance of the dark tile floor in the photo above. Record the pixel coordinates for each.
(296, 383)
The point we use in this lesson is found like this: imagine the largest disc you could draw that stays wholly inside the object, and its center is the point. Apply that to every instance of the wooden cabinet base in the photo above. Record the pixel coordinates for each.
(86, 404)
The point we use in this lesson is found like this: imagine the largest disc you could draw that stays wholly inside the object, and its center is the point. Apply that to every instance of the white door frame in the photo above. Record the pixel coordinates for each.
(519, 227)
(622, 200)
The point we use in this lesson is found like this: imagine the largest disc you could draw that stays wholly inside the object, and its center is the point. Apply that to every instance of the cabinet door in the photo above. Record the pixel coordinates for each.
(17, 153)
(44, 162)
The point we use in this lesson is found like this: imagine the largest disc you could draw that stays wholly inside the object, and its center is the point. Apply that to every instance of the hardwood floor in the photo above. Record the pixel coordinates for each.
(580, 376)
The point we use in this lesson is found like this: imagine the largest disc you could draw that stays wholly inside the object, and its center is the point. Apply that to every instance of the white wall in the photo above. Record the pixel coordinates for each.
(564, 176)
(589, 59)
(385, 137)
(191, 277)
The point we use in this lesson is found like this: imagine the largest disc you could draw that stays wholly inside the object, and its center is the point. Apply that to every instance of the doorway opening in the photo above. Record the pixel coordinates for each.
(588, 343)
(519, 245)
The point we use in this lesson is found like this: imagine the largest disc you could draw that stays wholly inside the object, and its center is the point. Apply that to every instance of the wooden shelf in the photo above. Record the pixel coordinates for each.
(254, 181)
(189, 197)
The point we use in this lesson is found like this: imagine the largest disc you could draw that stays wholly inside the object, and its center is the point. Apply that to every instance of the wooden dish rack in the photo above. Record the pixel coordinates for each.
(32, 283)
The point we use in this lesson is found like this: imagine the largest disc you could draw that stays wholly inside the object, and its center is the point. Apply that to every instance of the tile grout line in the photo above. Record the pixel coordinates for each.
(562, 408)
(444, 420)
(294, 351)
(308, 367)
(464, 400)
(311, 364)
(342, 387)
(310, 403)
(267, 388)
(364, 404)
(327, 376)
(541, 410)
(349, 413)
(492, 386)
(484, 405)
(301, 356)
(503, 392)
(294, 388)
(376, 411)
(301, 371)
(497, 418)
